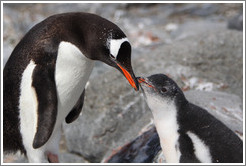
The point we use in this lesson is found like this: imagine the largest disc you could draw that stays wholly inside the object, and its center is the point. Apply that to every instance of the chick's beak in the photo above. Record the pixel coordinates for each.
(144, 81)
(130, 77)
(140, 80)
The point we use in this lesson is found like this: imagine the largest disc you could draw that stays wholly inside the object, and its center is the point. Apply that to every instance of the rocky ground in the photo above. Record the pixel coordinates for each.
(199, 45)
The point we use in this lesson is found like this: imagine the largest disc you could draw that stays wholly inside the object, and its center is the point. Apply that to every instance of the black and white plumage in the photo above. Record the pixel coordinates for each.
(45, 77)
(187, 132)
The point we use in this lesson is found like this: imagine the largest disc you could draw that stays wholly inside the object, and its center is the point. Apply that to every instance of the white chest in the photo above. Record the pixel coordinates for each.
(167, 129)
(165, 119)
(28, 105)
(72, 72)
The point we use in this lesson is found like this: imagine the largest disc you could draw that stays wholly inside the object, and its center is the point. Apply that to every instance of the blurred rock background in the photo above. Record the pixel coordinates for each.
(199, 45)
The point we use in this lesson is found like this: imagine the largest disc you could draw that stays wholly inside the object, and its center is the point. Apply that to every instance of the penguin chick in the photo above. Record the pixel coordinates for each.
(188, 133)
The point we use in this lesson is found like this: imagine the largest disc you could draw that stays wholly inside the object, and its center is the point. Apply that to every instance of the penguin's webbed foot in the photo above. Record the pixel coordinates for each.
(52, 158)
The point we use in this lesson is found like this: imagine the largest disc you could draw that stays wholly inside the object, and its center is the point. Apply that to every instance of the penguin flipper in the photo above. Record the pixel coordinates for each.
(74, 113)
(45, 88)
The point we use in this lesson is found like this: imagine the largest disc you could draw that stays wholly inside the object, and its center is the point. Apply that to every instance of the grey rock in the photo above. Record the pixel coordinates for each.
(236, 22)
(108, 120)
(205, 10)
(202, 10)
(214, 55)
(71, 158)
(6, 51)
(143, 149)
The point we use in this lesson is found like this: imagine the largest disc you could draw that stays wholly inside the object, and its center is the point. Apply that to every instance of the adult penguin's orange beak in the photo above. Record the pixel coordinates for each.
(130, 77)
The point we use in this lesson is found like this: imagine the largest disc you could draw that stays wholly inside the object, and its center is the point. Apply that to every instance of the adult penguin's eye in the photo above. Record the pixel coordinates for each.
(163, 90)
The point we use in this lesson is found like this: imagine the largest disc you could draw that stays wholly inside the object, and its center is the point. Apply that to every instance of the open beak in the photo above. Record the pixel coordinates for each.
(130, 77)
(142, 80)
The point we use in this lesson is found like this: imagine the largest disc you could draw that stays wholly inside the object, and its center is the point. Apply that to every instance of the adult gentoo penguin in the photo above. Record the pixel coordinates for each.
(187, 132)
(45, 77)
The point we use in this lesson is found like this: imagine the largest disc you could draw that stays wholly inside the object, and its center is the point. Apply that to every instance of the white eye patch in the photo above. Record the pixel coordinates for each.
(115, 46)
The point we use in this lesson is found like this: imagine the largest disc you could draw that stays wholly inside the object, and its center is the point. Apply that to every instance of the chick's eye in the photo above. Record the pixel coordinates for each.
(163, 90)
(111, 56)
